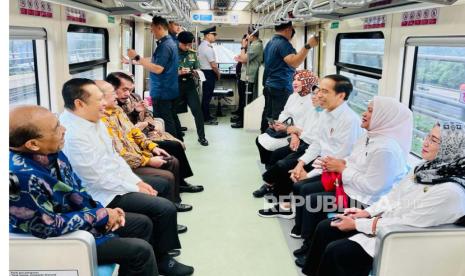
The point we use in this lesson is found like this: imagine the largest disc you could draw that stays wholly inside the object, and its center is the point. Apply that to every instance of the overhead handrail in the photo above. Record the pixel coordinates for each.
(288, 9)
(353, 3)
(313, 10)
(296, 11)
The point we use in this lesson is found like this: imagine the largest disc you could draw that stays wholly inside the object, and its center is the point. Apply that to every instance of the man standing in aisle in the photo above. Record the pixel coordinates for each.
(174, 29)
(188, 63)
(209, 67)
(281, 60)
(251, 57)
(163, 69)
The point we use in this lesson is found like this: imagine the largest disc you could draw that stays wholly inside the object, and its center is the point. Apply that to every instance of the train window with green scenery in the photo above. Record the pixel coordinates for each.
(438, 88)
(359, 56)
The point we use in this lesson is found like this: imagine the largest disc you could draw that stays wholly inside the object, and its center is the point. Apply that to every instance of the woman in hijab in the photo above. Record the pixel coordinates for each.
(299, 106)
(378, 160)
(432, 194)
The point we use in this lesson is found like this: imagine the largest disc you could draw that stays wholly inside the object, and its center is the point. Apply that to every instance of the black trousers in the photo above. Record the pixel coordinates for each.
(131, 249)
(174, 148)
(332, 254)
(265, 154)
(320, 202)
(170, 172)
(243, 88)
(312, 190)
(278, 174)
(161, 212)
(266, 110)
(275, 100)
(208, 88)
(166, 109)
(188, 91)
(160, 180)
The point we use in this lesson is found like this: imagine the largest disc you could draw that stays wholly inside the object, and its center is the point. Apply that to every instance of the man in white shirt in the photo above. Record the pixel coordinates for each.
(338, 130)
(209, 67)
(107, 176)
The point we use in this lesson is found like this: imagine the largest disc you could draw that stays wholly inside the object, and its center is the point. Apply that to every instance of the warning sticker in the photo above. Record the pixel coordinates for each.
(44, 273)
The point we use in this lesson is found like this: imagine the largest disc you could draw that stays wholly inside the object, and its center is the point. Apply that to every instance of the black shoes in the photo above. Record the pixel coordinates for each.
(234, 119)
(302, 251)
(174, 253)
(183, 207)
(182, 229)
(203, 142)
(190, 188)
(295, 233)
(237, 125)
(300, 261)
(183, 128)
(170, 267)
(211, 122)
(276, 211)
(264, 190)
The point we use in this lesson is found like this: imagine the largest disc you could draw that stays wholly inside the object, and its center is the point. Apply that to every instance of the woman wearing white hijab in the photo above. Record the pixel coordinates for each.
(377, 162)
(432, 194)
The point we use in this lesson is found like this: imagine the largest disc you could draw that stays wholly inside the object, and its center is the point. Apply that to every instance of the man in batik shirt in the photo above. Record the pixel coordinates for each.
(47, 199)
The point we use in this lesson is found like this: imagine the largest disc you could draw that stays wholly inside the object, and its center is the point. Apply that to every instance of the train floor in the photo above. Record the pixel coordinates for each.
(226, 236)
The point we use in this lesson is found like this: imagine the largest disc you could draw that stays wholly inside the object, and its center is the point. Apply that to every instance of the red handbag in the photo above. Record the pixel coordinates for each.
(332, 181)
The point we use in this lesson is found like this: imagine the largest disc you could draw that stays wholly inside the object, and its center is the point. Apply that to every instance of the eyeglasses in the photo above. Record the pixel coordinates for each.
(430, 139)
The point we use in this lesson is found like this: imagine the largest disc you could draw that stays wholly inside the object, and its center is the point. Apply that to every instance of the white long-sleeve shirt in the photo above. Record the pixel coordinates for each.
(300, 109)
(89, 149)
(310, 126)
(336, 134)
(373, 167)
(297, 108)
(412, 204)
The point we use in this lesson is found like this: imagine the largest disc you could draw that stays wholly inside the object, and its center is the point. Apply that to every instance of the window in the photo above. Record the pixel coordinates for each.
(365, 89)
(437, 85)
(127, 42)
(225, 53)
(28, 78)
(87, 51)
(359, 56)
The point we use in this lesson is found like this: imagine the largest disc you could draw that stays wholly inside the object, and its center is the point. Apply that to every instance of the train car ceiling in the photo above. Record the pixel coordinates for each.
(265, 13)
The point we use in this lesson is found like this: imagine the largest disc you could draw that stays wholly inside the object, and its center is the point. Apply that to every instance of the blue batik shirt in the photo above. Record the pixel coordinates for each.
(47, 199)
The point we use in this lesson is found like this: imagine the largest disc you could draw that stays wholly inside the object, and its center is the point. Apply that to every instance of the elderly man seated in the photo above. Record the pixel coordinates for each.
(143, 156)
(48, 200)
(139, 114)
(106, 175)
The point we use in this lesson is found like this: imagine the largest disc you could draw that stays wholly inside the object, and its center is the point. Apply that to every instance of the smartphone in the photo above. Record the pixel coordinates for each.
(167, 158)
(271, 121)
(335, 219)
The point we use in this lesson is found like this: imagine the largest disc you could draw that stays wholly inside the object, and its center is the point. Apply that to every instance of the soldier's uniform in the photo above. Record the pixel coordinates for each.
(188, 88)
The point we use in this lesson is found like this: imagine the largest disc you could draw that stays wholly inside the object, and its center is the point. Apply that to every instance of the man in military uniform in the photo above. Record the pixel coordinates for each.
(209, 67)
(187, 81)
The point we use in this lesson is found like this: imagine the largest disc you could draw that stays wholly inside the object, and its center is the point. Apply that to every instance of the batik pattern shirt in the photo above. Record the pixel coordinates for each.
(154, 129)
(48, 200)
(129, 141)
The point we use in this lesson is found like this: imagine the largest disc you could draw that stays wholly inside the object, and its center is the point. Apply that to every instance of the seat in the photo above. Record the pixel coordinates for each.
(406, 251)
(221, 94)
(73, 252)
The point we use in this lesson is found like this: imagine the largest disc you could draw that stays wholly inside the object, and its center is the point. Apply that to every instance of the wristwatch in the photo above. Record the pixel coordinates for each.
(137, 58)
(307, 46)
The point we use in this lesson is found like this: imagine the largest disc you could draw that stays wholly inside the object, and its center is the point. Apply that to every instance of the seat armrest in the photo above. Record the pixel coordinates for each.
(425, 246)
(75, 251)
